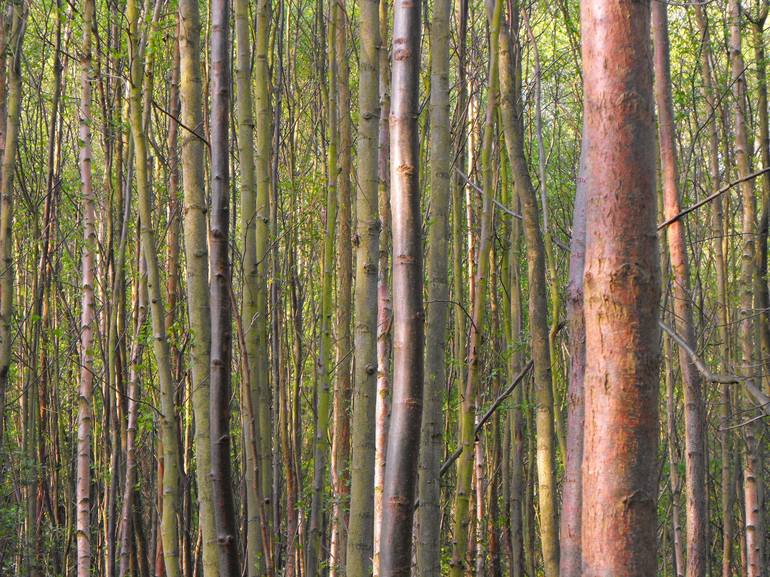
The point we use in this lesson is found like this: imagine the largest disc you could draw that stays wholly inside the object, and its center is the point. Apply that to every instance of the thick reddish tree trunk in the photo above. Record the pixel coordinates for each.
(621, 292)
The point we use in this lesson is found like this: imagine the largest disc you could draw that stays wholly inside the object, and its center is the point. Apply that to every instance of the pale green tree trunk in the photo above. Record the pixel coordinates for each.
(343, 342)
(538, 319)
(255, 560)
(431, 439)
(196, 255)
(169, 525)
(468, 411)
(263, 171)
(361, 524)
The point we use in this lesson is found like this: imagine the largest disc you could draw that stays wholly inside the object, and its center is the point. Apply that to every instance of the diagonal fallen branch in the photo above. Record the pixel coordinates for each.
(759, 396)
(490, 411)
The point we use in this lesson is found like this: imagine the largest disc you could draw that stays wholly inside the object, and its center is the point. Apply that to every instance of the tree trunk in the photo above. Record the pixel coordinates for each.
(384, 307)
(249, 314)
(694, 413)
(621, 293)
(459, 563)
(431, 440)
(343, 343)
(321, 441)
(220, 287)
(674, 484)
(458, 186)
(404, 435)
(538, 317)
(762, 298)
(196, 256)
(6, 232)
(572, 507)
(717, 227)
(87, 314)
(361, 525)
(263, 174)
(134, 392)
(751, 475)
(168, 423)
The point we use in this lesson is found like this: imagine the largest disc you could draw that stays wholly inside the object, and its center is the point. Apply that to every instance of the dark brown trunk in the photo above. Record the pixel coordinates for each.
(408, 316)
(221, 321)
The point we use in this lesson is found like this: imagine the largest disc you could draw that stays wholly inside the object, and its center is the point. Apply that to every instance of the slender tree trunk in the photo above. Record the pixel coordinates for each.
(673, 461)
(384, 307)
(762, 295)
(518, 491)
(134, 392)
(134, 360)
(321, 442)
(361, 526)
(196, 255)
(404, 435)
(172, 291)
(694, 413)
(6, 233)
(431, 441)
(538, 317)
(550, 259)
(762, 298)
(168, 421)
(572, 504)
(263, 171)
(717, 227)
(752, 492)
(621, 293)
(468, 411)
(517, 439)
(458, 186)
(249, 320)
(88, 313)
(219, 290)
(343, 342)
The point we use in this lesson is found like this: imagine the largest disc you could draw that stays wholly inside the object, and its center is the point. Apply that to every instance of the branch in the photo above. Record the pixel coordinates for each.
(498, 401)
(479, 190)
(759, 396)
(708, 199)
(502, 207)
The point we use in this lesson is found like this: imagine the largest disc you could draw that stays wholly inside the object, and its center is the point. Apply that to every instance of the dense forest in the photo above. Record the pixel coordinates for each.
(299, 288)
